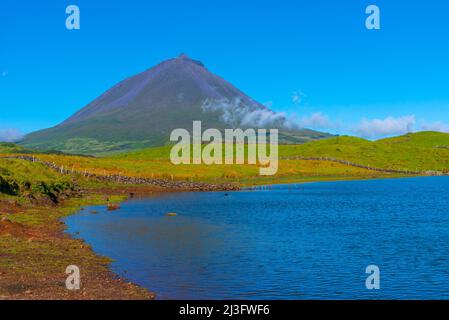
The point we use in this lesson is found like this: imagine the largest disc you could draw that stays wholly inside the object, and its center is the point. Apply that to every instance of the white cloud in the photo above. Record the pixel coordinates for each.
(298, 97)
(236, 113)
(315, 120)
(377, 128)
(435, 126)
(10, 135)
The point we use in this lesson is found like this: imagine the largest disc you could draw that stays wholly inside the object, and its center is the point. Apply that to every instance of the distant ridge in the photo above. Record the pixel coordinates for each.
(142, 111)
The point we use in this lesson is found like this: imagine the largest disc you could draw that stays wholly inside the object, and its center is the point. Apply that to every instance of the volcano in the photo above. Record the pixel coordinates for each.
(142, 110)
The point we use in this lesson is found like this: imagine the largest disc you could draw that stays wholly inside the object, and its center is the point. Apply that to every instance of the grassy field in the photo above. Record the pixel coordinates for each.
(162, 168)
(25, 179)
(415, 152)
(425, 151)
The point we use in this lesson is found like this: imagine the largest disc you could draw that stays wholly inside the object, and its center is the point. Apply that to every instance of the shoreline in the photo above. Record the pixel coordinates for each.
(35, 254)
(244, 186)
(96, 267)
(255, 186)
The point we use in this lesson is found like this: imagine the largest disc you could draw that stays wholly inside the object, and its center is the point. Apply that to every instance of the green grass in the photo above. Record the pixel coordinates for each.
(9, 148)
(89, 146)
(418, 151)
(427, 139)
(424, 151)
(155, 163)
(20, 178)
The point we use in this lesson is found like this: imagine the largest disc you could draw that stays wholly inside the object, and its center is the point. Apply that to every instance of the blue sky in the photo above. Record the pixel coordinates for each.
(313, 59)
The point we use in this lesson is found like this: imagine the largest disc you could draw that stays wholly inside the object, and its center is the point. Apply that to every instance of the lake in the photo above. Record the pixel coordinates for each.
(303, 241)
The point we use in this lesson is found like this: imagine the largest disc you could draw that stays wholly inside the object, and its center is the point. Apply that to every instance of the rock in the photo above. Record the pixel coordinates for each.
(171, 214)
(94, 212)
(112, 207)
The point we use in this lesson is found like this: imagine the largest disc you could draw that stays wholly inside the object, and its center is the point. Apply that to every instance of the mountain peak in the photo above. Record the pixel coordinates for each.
(185, 57)
(143, 109)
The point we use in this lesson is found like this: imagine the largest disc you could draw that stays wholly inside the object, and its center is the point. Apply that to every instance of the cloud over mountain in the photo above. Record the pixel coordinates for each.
(236, 113)
(10, 135)
(377, 128)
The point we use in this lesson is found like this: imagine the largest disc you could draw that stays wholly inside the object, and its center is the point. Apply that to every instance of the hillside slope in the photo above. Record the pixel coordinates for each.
(415, 151)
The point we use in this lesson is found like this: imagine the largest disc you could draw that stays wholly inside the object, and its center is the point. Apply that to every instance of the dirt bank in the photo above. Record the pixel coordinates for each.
(35, 252)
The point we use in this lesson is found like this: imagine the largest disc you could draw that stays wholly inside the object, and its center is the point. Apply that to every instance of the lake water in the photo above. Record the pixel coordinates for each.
(305, 241)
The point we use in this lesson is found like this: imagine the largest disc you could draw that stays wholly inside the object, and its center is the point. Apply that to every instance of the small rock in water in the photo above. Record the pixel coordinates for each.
(171, 214)
(94, 212)
(112, 207)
